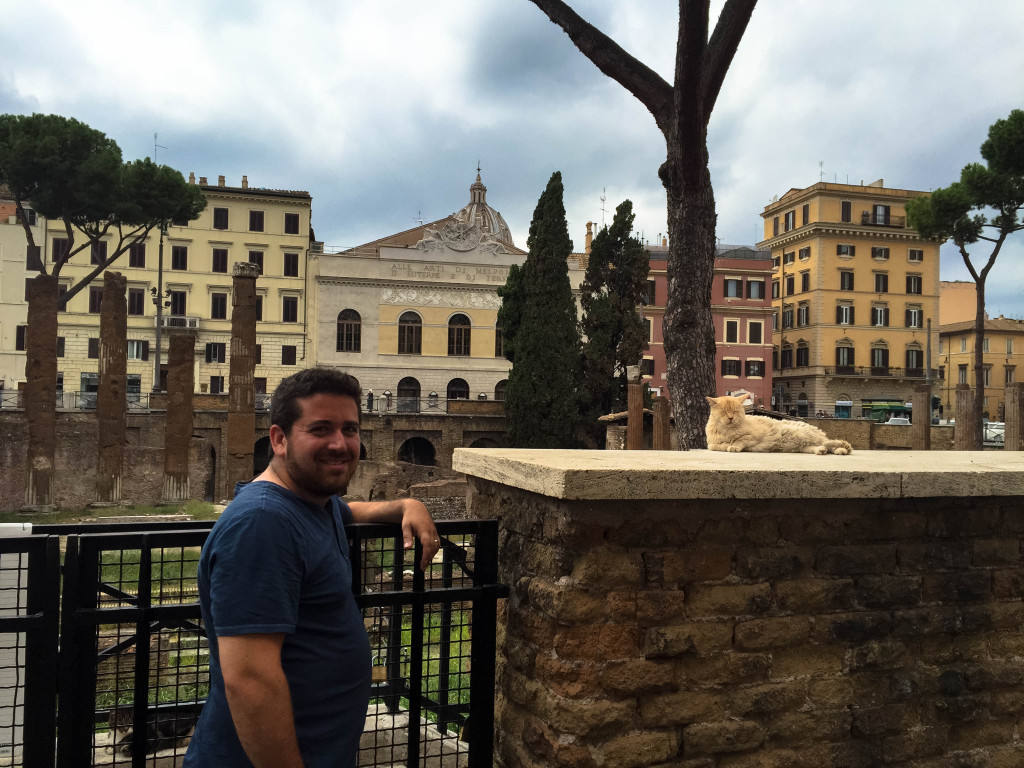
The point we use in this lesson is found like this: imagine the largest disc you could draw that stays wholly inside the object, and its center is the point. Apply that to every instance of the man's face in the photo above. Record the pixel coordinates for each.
(322, 450)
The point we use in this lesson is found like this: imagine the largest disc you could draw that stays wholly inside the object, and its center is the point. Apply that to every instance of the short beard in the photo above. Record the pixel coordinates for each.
(307, 482)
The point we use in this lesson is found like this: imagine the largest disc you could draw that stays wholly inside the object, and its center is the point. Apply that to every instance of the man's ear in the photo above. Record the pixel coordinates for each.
(278, 440)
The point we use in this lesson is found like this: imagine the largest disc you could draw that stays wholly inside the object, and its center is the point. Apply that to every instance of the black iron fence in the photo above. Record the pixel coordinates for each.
(120, 643)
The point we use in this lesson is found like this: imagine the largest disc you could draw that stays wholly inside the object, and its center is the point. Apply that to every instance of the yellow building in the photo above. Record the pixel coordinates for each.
(265, 226)
(1002, 357)
(854, 291)
(958, 301)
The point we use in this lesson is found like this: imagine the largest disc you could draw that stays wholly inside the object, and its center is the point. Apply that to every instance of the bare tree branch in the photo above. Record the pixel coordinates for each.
(732, 23)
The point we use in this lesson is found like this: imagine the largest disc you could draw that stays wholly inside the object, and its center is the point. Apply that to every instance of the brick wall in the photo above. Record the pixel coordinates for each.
(725, 633)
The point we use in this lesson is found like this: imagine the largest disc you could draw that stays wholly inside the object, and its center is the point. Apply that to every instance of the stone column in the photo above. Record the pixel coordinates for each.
(1013, 433)
(963, 430)
(178, 430)
(635, 417)
(662, 432)
(921, 431)
(241, 395)
(41, 392)
(111, 399)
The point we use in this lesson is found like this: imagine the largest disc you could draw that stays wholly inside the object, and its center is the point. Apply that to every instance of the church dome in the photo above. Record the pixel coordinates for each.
(490, 223)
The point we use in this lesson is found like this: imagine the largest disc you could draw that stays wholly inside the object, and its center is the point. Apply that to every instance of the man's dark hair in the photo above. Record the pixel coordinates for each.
(284, 407)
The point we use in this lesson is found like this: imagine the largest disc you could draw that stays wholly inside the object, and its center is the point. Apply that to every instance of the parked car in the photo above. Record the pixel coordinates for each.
(898, 420)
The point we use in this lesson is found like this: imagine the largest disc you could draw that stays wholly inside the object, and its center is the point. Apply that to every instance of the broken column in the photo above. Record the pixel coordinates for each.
(635, 417)
(241, 393)
(662, 428)
(111, 399)
(41, 392)
(963, 429)
(178, 430)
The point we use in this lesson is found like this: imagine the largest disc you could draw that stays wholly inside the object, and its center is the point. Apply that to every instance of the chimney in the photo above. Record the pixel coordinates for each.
(191, 177)
(245, 182)
(589, 238)
(202, 181)
(220, 181)
(664, 242)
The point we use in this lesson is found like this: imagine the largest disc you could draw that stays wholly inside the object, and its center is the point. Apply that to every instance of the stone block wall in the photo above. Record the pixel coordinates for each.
(703, 632)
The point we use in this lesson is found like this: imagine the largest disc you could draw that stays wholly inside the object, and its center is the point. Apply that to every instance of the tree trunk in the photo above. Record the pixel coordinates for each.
(41, 391)
(979, 364)
(689, 330)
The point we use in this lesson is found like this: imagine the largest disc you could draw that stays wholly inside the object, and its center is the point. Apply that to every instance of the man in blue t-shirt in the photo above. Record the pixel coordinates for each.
(289, 657)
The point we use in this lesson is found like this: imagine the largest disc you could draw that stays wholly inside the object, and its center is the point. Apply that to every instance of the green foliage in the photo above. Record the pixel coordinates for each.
(612, 328)
(541, 337)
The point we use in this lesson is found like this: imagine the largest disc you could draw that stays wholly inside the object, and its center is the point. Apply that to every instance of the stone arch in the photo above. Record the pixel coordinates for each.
(409, 395)
(500, 388)
(418, 450)
(458, 389)
(484, 442)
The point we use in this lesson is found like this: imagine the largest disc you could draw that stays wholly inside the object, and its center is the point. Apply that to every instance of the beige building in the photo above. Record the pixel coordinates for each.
(854, 290)
(958, 301)
(13, 307)
(265, 226)
(1002, 357)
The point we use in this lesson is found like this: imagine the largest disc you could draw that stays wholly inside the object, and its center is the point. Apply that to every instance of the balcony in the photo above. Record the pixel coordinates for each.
(179, 322)
(878, 372)
(869, 219)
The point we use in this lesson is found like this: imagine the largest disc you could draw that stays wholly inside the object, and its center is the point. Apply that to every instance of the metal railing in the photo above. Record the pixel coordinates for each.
(384, 404)
(880, 372)
(871, 219)
(122, 642)
(189, 322)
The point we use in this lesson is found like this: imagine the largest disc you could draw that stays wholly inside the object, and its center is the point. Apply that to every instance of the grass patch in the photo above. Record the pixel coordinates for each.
(197, 510)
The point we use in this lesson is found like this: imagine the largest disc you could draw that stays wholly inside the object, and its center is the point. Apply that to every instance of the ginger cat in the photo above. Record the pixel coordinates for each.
(731, 429)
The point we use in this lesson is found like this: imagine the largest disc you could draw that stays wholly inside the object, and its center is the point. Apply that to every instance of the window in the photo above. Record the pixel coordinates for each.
(844, 357)
(846, 281)
(984, 344)
(844, 314)
(220, 218)
(880, 360)
(915, 360)
(803, 357)
(408, 395)
(775, 289)
(775, 226)
(787, 357)
(805, 282)
(775, 263)
(178, 302)
(787, 318)
(259, 307)
(914, 284)
(28, 215)
(731, 368)
(1009, 346)
(880, 215)
(916, 254)
(179, 257)
(61, 249)
(881, 282)
(733, 288)
(805, 253)
(458, 335)
(220, 260)
(1010, 374)
(790, 221)
(291, 223)
(410, 328)
(963, 344)
(988, 375)
(218, 306)
(216, 352)
(136, 301)
(790, 283)
(879, 252)
(98, 252)
(62, 291)
(803, 315)
(788, 258)
(138, 350)
(256, 257)
(915, 318)
(962, 374)
(732, 331)
(500, 388)
(775, 320)
(137, 255)
(28, 286)
(216, 385)
(499, 339)
(941, 345)
(755, 369)
(647, 367)
(19, 337)
(289, 309)
(755, 332)
(95, 299)
(350, 326)
(755, 289)
(60, 347)
(259, 360)
(846, 250)
(255, 221)
(650, 295)
(291, 264)
(847, 211)
(805, 215)
(93, 348)
(880, 316)
(458, 389)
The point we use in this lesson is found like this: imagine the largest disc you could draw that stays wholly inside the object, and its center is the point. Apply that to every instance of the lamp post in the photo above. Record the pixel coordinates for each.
(158, 300)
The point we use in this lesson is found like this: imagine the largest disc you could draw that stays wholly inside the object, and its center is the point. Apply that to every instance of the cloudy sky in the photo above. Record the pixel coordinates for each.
(382, 109)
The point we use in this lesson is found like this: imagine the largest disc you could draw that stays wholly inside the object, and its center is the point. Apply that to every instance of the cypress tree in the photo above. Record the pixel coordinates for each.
(541, 402)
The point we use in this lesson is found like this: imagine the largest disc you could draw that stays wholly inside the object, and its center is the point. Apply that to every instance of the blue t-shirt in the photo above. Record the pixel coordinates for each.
(277, 563)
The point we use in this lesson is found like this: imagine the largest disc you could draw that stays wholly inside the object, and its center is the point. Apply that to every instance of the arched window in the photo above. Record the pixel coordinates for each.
(458, 335)
(349, 330)
(408, 395)
(499, 389)
(410, 334)
(458, 389)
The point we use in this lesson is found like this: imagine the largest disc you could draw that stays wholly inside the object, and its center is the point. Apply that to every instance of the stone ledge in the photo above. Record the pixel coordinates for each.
(564, 474)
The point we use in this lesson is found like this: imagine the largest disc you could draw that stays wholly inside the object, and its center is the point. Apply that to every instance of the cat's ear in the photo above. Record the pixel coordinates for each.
(711, 400)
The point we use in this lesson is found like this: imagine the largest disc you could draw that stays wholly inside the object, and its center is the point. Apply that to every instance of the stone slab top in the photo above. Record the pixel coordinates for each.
(566, 474)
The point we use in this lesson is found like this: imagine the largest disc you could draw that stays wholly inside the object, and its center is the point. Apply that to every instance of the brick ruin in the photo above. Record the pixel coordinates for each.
(111, 398)
(241, 394)
(40, 384)
(178, 431)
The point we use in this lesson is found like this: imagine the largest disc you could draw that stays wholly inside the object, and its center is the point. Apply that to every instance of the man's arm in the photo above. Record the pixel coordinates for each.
(259, 699)
(411, 513)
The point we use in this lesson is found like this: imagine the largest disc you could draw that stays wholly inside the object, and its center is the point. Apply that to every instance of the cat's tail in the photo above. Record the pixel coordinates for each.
(838, 447)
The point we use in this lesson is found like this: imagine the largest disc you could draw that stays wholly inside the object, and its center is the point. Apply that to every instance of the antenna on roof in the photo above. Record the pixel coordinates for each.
(603, 198)
(156, 146)
(821, 170)
(418, 218)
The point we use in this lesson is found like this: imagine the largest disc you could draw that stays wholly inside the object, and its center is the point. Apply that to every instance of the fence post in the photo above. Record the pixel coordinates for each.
(963, 429)
(1013, 432)
(921, 430)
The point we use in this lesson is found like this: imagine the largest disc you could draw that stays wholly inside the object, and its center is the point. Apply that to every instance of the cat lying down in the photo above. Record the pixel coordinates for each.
(731, 429)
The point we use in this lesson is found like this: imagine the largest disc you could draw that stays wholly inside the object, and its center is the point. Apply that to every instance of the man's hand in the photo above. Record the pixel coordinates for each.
(411, 513)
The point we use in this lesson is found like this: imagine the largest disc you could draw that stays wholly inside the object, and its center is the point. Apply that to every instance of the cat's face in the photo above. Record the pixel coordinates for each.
(728, 410)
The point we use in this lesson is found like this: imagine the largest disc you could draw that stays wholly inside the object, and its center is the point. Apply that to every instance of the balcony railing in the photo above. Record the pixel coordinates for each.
(186, 322)
(67, 400)
(870, 219)
(880, 372)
